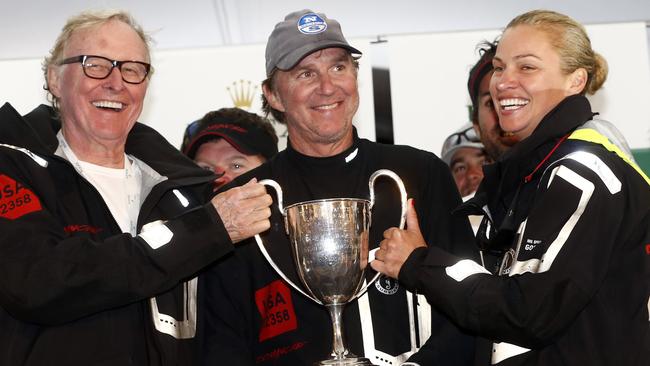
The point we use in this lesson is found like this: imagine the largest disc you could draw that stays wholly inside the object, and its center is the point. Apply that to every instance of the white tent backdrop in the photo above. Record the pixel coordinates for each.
(428, 83)
(429, 72)
(189, 83)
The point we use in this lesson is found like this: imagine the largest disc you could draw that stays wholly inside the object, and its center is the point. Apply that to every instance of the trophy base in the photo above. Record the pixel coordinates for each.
(353, 361)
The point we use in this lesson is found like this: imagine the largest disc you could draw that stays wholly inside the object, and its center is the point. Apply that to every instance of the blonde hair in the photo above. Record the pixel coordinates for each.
(86, 20)
(570, 40)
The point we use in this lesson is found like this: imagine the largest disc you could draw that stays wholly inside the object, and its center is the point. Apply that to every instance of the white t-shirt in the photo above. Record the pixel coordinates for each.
(118, 190)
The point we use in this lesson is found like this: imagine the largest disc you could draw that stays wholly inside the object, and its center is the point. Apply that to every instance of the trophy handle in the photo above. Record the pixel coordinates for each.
(260, 243)
(402, 220)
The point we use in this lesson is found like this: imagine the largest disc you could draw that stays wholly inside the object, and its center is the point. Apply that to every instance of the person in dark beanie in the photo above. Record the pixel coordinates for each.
(483, 115)
(229, 142)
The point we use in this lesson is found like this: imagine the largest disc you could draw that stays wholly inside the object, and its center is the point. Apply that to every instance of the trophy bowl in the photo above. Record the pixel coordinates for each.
(329, 243)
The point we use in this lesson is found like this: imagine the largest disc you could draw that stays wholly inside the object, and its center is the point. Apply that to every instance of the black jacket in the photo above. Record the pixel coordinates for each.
(255, 317)
(574, 219)
(74, 290)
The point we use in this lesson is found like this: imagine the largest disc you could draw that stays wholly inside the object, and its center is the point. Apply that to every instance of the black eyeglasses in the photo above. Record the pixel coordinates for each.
(456, 138)
(99, 67)
(468, 134)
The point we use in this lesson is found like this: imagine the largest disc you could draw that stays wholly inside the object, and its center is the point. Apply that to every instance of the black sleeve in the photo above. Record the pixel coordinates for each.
(563, 256)
(440, 227)
(50, 277)
(228, 336)
(448, 345)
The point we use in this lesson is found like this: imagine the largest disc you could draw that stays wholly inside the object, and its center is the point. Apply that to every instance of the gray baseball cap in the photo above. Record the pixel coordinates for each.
(300, 34)
(463, 137)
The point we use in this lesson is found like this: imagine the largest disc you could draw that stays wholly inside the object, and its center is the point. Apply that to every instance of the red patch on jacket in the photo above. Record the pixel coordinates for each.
(647, 249)
(16, 200)
(276, 308)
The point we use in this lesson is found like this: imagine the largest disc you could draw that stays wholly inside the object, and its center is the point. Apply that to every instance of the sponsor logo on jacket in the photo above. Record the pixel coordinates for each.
(387, 285)
(276, 309)
(82, 228)
(16, 200)
(279, 352)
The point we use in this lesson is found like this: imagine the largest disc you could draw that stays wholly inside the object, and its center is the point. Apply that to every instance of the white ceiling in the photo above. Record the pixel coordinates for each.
(28, 28)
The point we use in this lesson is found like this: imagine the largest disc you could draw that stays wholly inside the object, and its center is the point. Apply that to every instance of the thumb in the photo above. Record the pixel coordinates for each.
(251, 182)
(412, 223)
(377, 266)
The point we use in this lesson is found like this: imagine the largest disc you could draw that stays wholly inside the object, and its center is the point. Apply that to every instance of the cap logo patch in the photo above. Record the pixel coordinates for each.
(226, 126)
(311, 24)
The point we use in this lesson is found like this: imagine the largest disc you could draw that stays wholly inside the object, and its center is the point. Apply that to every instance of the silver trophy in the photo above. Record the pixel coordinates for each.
(329, 242)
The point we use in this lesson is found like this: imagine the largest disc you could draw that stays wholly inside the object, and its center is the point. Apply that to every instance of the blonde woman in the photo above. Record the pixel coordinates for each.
(568, 207)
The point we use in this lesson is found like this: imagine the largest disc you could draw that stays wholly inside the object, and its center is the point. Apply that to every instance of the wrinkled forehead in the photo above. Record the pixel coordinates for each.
(325, 55)
(113, 39)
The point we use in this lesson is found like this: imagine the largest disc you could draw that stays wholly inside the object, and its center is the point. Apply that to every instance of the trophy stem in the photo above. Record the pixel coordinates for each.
(338, 349)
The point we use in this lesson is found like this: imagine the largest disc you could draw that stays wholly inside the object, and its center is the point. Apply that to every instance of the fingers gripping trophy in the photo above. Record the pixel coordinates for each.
(329, 243)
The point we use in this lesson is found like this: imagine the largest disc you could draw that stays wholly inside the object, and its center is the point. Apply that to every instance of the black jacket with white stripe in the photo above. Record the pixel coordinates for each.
(75, 290)
(255, 317)
(574, 286)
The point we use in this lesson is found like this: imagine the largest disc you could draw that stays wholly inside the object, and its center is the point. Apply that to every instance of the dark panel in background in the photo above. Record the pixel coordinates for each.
(383, 107)
(642, 157)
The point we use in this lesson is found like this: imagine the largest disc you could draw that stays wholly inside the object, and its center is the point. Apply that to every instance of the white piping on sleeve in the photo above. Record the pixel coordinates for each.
(464, 269)
(40, 161)
(156, 234)
(503, 350)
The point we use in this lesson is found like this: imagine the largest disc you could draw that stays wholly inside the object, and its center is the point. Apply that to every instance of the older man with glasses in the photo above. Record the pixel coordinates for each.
(101, 220)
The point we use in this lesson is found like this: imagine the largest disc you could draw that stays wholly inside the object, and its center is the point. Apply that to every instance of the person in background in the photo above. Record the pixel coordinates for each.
(465, 155)
(255, 316)
(229, 142)
(102, 221)
(495, 141)
(566, 201)
(482, 113)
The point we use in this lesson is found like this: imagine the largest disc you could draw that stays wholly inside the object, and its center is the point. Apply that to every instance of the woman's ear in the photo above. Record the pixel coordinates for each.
(578, 81)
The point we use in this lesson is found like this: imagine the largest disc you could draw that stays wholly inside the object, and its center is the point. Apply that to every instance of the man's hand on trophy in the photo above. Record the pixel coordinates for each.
(244, 210)
(398, 245)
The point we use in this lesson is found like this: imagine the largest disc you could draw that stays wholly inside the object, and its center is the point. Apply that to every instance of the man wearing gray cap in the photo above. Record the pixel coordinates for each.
(465, 154)
(253, 316)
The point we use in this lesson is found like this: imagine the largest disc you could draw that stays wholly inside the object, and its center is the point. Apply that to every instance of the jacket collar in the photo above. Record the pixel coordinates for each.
(503, 178)
(37, 131)
(341, 158)
(507, 173)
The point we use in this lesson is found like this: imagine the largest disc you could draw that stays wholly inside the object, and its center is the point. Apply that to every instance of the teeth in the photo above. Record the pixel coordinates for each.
(329, 106)
(108, 104)
(512, 103)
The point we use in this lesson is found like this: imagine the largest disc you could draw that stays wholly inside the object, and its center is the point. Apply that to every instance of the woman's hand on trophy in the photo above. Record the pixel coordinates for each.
(244, 210)
(398, 245)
